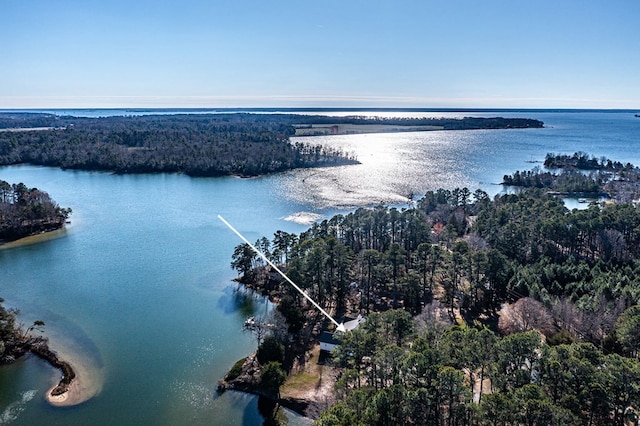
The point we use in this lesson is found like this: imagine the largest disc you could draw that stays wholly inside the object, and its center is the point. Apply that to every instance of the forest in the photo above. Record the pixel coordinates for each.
(582, 175)
(505, 311)
(194, 144)
(26, 211)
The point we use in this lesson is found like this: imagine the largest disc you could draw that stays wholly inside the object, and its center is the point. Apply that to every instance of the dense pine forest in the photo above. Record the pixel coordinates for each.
(505, 311)
(197, 145)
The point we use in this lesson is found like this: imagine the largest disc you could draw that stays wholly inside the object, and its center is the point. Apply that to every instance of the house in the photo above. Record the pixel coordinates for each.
(329, 340)
(352, 324)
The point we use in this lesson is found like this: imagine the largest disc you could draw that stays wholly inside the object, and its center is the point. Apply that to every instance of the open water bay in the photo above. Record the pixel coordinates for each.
(138, 291)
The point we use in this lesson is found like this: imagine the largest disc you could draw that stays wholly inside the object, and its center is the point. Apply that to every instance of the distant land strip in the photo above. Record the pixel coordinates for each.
(29, 129)
(353, 129)
(240, 144)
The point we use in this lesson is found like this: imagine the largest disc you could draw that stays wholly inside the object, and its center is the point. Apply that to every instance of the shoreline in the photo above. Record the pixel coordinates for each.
(70, 397)
(358, 129)
(87, 382)
(249, 382)
(297, 405)
(59, 394)
(37, 238)
(75, 376)
(83, 386)
(67, 391)
(297, 394)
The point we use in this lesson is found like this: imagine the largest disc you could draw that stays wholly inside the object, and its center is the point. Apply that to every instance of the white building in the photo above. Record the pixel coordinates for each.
(329, 340)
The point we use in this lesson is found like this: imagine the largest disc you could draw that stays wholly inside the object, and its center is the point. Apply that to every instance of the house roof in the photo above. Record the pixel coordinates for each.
(328, 337)
(349, 324)
(352, 324)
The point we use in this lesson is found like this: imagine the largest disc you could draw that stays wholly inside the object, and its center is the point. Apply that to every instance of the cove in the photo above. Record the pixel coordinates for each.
(138, 294)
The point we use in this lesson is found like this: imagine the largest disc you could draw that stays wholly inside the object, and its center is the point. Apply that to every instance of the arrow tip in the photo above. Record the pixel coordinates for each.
(341, 327)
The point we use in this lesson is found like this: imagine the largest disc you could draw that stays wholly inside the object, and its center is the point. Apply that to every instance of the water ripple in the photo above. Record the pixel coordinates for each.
(13, 411)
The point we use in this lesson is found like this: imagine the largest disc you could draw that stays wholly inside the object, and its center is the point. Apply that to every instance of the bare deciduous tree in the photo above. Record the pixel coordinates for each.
(434, 317)
(524, 315)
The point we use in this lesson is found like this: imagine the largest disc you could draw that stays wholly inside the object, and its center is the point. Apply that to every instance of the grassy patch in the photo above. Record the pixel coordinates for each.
(306, 381)
(236, 370)
(300, 381)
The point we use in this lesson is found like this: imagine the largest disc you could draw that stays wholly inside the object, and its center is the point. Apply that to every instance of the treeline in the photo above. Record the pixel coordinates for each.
(26, 211)
(197, 145)
(26, 120)
(581, 174)
(503, 266)
(19, 120)
(471, 253)
(568, 181)
(582, 161)
(466, 123)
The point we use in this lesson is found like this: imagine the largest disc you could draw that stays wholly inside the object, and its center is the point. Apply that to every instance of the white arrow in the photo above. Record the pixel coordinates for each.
(340, 327)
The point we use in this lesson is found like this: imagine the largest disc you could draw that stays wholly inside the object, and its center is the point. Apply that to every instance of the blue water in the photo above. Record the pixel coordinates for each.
(139, 288)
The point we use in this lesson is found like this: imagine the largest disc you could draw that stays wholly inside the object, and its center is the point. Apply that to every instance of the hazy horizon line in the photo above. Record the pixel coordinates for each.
(306, 101)
(312, 108)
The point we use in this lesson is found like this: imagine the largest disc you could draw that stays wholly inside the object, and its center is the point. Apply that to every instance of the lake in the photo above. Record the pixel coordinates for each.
(138, 292)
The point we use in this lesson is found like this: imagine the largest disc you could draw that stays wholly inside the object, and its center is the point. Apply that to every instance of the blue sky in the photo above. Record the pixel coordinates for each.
(289, 53)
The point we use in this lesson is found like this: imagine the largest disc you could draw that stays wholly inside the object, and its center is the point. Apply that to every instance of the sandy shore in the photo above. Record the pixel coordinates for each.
(87, 383)
(35, 239)
(74, 396)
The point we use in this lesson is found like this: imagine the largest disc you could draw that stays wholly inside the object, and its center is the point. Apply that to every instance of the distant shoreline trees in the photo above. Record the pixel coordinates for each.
(581, 175)
(194, 144)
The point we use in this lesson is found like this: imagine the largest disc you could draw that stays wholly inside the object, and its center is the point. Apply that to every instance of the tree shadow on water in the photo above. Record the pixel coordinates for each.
(268, 413)
(239, 301)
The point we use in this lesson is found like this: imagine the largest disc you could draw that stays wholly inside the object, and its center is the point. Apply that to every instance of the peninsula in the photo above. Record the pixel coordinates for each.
(16, 341)
(474, 308)
(27, 211)
(240, 144)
